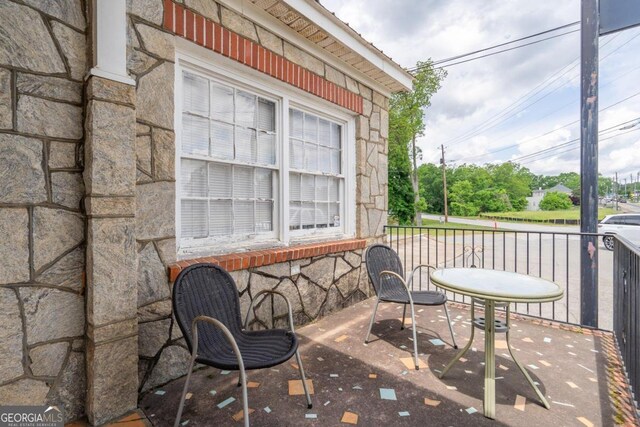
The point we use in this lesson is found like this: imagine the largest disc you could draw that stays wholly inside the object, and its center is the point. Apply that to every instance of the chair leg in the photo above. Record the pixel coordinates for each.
(184, 391)
(245, 398)
(373, 316)
(453, 337)
(415, 338)
(404, 313)
(304, 380)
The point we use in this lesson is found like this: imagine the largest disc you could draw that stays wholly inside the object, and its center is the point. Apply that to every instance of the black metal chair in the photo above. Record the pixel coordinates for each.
(207, 308)
(387, 276)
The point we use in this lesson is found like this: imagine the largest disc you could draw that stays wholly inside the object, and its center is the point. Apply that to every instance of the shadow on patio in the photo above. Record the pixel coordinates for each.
(572, 367)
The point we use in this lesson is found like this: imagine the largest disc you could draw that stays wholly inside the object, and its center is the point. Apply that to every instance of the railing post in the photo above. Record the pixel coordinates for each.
(590, 18)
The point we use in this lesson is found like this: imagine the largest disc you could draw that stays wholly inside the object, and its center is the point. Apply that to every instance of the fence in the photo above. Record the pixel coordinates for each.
(551, 255)
(626, 297)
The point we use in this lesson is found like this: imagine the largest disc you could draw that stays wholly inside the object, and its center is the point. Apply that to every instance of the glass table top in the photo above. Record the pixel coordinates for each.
(496, 285)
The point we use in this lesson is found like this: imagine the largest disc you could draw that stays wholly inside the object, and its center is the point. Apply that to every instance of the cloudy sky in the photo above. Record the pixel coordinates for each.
(518, 102)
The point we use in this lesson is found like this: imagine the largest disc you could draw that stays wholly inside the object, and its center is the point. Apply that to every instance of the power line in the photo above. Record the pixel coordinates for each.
(498, 45)
(551, 131)
(518, 104)
(531, 157)
(500, 118)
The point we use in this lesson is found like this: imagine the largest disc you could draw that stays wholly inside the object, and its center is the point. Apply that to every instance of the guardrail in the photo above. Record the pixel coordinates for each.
(626, 297)
(551, 255)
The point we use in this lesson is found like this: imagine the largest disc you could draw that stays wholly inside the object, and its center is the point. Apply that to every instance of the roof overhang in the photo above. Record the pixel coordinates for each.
(315, 29)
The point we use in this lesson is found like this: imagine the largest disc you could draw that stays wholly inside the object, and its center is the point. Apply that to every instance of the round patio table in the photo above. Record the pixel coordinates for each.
(493, 286)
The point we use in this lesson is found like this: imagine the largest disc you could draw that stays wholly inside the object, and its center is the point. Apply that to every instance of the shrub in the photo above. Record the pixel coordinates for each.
(555, 201)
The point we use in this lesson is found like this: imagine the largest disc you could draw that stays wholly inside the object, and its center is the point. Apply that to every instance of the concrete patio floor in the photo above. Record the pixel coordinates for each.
(577, 370)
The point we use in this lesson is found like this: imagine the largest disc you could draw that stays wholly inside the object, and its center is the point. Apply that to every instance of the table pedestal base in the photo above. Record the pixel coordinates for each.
(489, 359)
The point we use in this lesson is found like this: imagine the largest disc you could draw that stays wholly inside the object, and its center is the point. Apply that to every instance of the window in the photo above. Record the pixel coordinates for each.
(315, 164)
(228, 160)
(255, 167)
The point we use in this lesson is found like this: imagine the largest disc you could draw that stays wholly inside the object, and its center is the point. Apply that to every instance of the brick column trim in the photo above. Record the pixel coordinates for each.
(109, 175)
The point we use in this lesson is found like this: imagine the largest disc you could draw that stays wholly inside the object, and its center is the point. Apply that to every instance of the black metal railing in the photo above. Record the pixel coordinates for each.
(626, 318)
(548, 254)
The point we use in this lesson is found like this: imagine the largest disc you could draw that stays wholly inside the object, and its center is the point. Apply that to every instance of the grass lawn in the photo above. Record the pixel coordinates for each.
(548, 215)
(435, 224)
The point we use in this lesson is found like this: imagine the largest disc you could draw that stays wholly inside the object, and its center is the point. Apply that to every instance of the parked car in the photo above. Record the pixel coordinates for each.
(625, 225)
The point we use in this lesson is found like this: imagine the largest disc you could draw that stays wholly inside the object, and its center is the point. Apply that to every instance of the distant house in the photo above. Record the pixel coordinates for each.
(533, 202)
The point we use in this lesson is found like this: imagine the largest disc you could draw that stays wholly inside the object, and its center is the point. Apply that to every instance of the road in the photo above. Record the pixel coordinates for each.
(508, 225)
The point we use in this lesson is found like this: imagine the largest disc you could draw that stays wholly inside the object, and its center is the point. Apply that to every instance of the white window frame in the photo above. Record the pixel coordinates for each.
(201, 61)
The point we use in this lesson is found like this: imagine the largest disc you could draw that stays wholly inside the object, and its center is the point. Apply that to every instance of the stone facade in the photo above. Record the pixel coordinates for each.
(42, 220)
(87, 207)
(163, 356)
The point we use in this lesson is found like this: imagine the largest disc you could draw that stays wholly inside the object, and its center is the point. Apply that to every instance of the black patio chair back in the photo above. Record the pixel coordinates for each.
(207, 290)
(381, 258)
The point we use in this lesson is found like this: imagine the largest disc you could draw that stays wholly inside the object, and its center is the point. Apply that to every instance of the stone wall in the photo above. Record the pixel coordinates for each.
(325, 283)
(42, 223)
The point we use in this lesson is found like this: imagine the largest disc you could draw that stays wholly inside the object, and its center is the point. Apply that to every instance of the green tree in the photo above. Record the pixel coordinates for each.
(406, 123)
(555, 201)
(461, 198)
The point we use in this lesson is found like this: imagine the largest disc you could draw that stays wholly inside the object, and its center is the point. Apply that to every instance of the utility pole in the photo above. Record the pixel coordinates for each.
(444, 185)
(617, 191)
(590, 31)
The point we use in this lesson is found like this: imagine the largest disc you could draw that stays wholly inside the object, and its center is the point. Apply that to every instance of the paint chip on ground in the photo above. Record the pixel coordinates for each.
(226, 402)
(403, 413)
(349, 418)
(520, 402)
(295, 387)
(388, 394)
(410, 363)
(431, 402)
(240, 415)
(341, 338)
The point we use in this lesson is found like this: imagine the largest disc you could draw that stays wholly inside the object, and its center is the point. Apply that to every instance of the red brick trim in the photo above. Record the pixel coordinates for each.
(211, 35)
(244, 260)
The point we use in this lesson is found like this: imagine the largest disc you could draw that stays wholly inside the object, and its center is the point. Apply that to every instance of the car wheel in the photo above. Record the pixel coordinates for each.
(608, 242)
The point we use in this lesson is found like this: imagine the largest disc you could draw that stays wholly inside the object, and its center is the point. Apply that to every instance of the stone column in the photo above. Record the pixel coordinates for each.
(110, 178)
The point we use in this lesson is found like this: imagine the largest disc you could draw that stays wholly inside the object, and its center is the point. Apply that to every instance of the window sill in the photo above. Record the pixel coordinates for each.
(244, 260)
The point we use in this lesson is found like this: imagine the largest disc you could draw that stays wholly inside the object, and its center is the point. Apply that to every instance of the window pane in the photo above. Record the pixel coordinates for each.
(296, 154)
(193, 177)
(264, 184)
(196, 94)
(246, 145)
(334, 215)
(266, 148)
(324, 159)
(336, 161)
(294, 215)
(245, 109)
(243, 219)
(324, 133)
(308, 215)
(266, 115)
(264, 216)
(195, 135)
(322, 214)
(295, 124)
(308, 187)
(221, 217)
(222, 103)
(193, 218)
(336, 136)
(221, 140)
(322, 188)
(310, 128)
(333, 189)
(310, 157)
(294, 186)
(219, 180)
(242, 182)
